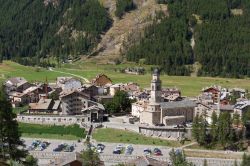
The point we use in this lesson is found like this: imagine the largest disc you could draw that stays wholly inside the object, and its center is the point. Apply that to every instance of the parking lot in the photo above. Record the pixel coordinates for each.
(54, 144)
(138, 150)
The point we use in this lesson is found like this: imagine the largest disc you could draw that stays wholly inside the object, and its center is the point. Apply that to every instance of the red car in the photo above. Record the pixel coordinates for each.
(157, 152)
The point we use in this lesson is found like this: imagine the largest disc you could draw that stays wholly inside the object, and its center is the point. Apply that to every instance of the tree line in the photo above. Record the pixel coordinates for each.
(165, 44)
(224, 131)
(29, 29)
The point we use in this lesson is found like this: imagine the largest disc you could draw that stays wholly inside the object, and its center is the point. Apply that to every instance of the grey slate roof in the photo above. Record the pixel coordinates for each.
(147, 161)
(177, 104)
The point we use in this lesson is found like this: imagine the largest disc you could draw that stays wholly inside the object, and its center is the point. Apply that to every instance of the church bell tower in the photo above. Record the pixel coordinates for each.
(155, 87)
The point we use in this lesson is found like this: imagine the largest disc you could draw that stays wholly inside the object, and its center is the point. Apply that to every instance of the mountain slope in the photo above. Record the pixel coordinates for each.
(31, 30)
(221, 37)
(118, 38)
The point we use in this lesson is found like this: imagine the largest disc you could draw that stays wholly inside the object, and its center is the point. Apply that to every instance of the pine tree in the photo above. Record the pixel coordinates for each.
(196, 128)
(178, 159)
(31, 161)
(203, 131)
(213, 132)
(245, 160)
(9, 133)
(90, 158)
(236, 119)
(224, 128)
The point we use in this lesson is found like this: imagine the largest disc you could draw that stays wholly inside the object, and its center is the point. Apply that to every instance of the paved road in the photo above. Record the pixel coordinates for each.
(85, 79)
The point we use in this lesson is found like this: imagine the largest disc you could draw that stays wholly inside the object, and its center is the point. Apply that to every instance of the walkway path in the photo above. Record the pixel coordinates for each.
(85, 79)
(184, 146)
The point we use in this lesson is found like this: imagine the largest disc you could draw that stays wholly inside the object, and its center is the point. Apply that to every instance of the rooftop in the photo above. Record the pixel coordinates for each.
(145, 161)
(56, 104)
(30, 89)
(43, 104)
(16, 81)
(177, 104)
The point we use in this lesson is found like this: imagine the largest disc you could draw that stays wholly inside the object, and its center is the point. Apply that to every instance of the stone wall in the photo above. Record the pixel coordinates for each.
(51, 119)
(165, 132)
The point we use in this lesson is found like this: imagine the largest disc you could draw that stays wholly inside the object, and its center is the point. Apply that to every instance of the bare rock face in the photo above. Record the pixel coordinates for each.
(125, 31)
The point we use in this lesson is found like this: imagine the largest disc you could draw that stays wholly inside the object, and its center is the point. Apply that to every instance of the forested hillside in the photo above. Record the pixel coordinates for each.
(214, 33)
(222, 38)
(31, 30)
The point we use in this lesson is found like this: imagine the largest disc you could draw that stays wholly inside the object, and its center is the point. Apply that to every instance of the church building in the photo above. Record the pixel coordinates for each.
(167, 113)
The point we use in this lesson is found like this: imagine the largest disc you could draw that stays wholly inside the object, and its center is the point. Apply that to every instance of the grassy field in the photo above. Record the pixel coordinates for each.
(198, 147)
(122, 136)
(18, 110)
(190, 86)
(50, 136)
(53, 132)
(212, 154)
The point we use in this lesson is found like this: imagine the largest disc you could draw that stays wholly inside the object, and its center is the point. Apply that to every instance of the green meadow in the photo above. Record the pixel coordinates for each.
(190, 86)
(51, 131)
(122, 136)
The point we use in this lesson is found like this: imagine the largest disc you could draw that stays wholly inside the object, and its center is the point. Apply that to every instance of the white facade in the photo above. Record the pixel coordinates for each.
(68, 83)
(155, 88)
(138, 108)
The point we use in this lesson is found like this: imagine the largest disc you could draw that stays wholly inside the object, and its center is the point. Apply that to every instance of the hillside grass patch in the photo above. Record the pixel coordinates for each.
(190, 86)
(123, 136)
(51, 131)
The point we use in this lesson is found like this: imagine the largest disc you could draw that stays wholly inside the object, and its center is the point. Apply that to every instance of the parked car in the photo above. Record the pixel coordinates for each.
(100, 146)
(147, 151)
(91, 146)
(69, 148)
(117, 151)
(189, 125)
(99, 149)
(120, 147)
(35, 143)
(59, 148)
(129, 150)
(157, 152)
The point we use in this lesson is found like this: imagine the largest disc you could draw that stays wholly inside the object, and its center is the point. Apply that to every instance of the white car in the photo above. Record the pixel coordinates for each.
(119, 147)
(99, 150)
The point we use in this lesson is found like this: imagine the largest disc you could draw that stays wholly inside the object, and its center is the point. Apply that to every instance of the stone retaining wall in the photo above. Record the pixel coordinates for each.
(51, 119)
(165, 132)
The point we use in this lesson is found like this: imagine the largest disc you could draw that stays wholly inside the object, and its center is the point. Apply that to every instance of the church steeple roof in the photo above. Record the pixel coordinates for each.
(156, 71)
